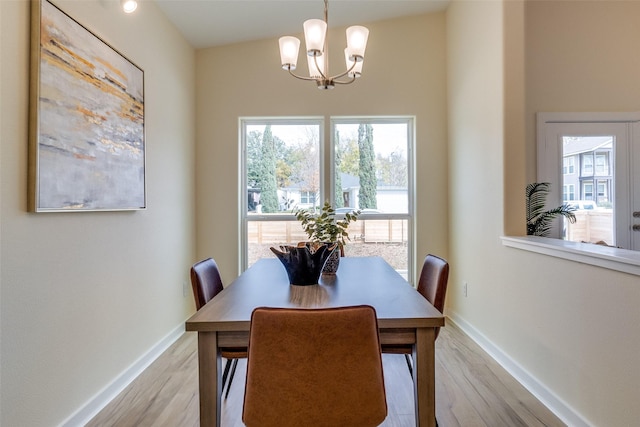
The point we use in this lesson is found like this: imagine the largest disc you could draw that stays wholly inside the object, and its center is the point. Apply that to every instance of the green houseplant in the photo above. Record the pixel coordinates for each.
(539, 219)
(323, 227)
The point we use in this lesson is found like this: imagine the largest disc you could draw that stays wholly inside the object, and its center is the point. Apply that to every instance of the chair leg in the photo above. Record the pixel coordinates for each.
(408, 359)
(227, 366)
(234, 365)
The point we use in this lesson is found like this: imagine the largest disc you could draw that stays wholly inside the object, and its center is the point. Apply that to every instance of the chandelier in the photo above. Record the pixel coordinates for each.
(315, 34)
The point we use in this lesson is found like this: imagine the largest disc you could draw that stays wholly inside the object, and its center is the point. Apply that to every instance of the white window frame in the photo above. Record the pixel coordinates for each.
(327, 182)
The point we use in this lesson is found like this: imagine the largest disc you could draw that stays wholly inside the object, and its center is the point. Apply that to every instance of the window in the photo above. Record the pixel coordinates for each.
(280, 171)
(602, 192)
(373, 172)
(587, 190)
(587, 164)
(568, 192)
(608, 146)
(308, 198)
(367, 164)
(601, 164)
(568, 165)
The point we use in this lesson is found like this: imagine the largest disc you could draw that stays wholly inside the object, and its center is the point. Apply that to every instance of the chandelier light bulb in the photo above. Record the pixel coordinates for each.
(313, 70)
(357, 69)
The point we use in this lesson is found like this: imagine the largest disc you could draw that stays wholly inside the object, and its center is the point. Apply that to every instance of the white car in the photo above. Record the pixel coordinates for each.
(587, 205)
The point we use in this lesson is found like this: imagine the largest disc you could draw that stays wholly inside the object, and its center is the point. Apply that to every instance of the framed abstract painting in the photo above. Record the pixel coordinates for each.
(87, 134)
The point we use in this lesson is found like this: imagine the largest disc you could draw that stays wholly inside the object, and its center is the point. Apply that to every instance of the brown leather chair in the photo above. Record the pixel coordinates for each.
(433, 286)
(314, 367)
(207, 283)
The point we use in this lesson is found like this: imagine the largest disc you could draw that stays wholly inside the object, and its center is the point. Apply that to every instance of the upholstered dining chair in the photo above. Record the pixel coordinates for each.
(314, 367)
(432, 285)
(207, 283)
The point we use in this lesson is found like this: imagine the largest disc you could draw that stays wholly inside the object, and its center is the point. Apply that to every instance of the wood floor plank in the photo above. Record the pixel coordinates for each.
(472, 390)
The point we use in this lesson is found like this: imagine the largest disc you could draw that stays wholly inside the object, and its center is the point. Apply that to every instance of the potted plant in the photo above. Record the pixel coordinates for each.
(323, 227)
(539, 219)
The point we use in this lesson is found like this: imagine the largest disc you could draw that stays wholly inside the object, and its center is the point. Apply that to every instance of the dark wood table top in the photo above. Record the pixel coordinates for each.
(360, 280)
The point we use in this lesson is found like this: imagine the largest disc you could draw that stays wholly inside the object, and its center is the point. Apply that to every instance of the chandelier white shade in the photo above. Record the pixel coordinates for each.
(316, 43)
(289, 47)
(315, 31)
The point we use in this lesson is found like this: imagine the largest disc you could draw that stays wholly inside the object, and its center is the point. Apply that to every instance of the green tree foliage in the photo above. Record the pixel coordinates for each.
(349, 156)
(254, 163)
(267, 177)
(368, 183)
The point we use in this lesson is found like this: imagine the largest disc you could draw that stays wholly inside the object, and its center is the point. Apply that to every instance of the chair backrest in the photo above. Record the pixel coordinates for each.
(205, 281)
(433, 280)
(314, 367)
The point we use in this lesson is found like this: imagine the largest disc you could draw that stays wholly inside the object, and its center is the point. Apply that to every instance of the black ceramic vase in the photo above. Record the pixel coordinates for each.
(304, 263)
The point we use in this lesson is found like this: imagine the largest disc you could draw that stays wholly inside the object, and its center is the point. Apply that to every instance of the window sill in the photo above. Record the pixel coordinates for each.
(622, 260)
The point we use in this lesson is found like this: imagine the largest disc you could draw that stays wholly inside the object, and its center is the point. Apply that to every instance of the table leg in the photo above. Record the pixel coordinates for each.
(209, 363)
(424, 384)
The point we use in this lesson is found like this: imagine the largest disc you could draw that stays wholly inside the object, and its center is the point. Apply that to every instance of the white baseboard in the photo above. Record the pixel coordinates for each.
(556, 405)
(94, 405)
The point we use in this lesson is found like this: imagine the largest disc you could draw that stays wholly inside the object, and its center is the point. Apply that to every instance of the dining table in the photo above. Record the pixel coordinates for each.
(404, 317)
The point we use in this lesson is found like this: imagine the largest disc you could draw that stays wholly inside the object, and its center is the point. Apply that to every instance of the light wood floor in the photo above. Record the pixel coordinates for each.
(472, 390)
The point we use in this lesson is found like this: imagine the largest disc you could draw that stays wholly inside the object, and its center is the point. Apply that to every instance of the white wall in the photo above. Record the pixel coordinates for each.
(570, 330)
(403, 74)
(84, 295)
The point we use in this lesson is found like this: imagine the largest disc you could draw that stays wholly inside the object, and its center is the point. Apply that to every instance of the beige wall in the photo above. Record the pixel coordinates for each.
(84, 295)
(404, 74)
(476, 127)
(571, 329)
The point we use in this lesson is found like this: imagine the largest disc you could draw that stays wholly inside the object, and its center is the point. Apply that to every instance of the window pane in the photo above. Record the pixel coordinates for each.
(372, 172)
(594, 214)
(282, 167)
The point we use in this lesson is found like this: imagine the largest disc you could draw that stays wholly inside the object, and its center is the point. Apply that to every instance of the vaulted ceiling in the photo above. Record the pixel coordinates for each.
(207, 23)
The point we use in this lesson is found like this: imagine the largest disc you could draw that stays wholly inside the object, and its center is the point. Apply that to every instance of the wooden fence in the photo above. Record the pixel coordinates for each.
(367, 231)
(592, 226)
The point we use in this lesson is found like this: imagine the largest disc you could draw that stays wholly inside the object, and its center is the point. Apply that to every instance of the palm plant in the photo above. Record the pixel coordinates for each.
(539, 219)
